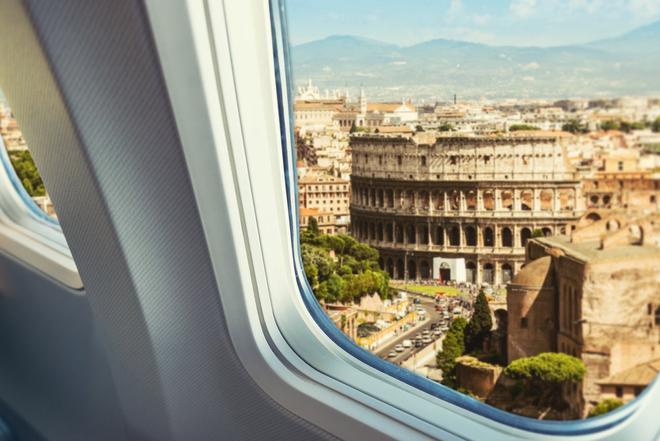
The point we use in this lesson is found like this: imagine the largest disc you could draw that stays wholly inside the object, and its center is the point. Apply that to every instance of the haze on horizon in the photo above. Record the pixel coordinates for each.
(543, 23)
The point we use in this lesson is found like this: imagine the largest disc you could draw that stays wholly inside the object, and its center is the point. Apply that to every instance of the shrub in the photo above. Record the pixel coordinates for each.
(547, 367)
(453, 347)
(607, 405)
(478, 329)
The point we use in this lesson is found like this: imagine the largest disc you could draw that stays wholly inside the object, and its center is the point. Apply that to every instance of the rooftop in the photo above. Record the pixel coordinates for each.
(640, 375)
(591, 251)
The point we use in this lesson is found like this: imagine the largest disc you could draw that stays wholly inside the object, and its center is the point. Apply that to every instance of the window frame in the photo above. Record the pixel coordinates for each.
(29, 234)
(227, 82)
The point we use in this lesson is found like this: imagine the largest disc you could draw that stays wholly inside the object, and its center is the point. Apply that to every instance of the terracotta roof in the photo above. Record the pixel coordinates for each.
(541, 133)
(394, 129)
(537, 273)
(313, 178)
(336, 105)
(639, 375)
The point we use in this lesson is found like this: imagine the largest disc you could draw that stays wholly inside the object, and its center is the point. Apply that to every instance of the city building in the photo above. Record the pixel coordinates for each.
(477, 198)
(593, 295)
(628, 384)
(327, 194)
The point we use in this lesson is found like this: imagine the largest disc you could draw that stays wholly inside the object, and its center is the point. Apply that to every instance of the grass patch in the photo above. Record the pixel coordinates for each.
(429, 290)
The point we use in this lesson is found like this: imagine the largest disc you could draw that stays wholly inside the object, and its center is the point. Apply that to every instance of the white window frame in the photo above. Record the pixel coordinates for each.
(219, 66)
(29, 234)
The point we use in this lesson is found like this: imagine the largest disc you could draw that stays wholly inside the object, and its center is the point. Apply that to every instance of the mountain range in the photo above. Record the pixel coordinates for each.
(436, 70)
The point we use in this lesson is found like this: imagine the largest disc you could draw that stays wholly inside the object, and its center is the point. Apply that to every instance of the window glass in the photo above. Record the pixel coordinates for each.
(25, 172)
(512, 202)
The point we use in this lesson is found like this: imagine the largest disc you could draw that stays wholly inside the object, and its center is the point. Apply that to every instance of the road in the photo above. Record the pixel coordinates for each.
(429, 305)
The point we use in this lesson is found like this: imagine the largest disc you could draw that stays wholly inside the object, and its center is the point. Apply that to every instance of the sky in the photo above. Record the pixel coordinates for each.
(495, 22)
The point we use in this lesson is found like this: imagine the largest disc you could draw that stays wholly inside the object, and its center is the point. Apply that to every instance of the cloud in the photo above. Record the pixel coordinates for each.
(481, 19)
(530, 66)
(522, 8)
(644, 7)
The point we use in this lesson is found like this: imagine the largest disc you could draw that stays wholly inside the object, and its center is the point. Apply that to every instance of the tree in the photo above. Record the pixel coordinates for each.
(478, 329)
(27, 173)
(543, 375)
(537, 233)
(655, 126)
(574, 126)
(519, 127)
(607, 405)
(610, 125)
(313, 226)
(353, 128)
(453, 347)
(446, 127)
(419, 128)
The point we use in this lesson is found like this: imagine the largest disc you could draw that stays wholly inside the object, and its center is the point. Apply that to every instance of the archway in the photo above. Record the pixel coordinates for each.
(412, 270)
(411, 234)
(454, 236)
(471, 272)
(445, 272)
(400, 269)
(439, 236)
(488, 273)
(489, 237)
(390, 267)
(470, 236)
(507, 273)
(526, 200)
(424, 270)
(507, 237)
(525, 235)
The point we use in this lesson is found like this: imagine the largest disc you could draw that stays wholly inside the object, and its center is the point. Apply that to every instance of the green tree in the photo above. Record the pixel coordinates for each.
(655, 126)
(574, 126)
(353, 128)
(313, 226)
(478, 329)
(27, 173)
(419, 128)
(453, 347)
(610, 125)
(446, 127)
(607, 405)
(520, 127)
(537, 233)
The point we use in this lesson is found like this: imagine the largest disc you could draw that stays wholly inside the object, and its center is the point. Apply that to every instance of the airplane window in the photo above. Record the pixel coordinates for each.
(24, 169)
(470, 252)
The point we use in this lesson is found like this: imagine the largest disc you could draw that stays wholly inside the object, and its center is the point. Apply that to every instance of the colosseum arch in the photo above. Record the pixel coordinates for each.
(471, 200)
(379, 232)
(372, 197)
(398, 233)
(440, 200)
(546, 198)
(389, 198)
(566, 200)
(471, 272)
(489, 200)
(507, 200)
(547, 231)
(455, 200)
(636, 234)
(470, 236)
(423, 234)
(507, 273)
(400, 269)
(390, 267)
(439, 236)
(424, 270)
(410, 234)
(525, 235)
(424, 200)
(389, 233)
(381, 263)
(412, 270)
(488, 273)
(380, 198)
(489, 237)
(526, 200)
(454, 236)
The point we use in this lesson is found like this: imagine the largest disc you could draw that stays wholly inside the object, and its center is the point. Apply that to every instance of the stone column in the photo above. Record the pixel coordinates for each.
(556, 202)
(497, 276)
(516, 200)
(536, 200)
(445, 201)
(462, 206)
(480, 200)
(461, 233)
(498, 199)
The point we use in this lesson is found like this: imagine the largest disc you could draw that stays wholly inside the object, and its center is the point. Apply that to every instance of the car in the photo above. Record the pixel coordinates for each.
(407, 344)
(427, 341)
(399, 348)
(437, 332)
(416, 300)
(419, 343)
(392, 354)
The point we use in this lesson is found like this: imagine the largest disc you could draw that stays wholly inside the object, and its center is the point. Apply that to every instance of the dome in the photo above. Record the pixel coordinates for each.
(537, 273)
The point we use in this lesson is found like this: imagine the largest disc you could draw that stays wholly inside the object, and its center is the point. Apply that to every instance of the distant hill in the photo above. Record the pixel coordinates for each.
(436, 69)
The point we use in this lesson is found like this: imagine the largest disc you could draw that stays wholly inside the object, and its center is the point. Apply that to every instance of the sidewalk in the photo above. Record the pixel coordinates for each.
(393, 337)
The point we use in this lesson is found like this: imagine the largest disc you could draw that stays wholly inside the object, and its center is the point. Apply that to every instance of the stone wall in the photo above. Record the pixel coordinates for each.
(477, 377)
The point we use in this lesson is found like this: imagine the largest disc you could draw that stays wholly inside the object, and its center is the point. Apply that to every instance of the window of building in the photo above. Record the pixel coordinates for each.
(619, 392)
(620, 166)
(399, 160)
(423, 161)
(523, 322)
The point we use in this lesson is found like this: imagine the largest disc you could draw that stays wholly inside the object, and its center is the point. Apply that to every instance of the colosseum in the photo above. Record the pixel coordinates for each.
(460, 207)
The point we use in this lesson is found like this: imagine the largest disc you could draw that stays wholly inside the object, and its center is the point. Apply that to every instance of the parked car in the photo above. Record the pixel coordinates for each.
(427, 341)
(392, 354)
(419, 343)
(407, 344)
(399, 348)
